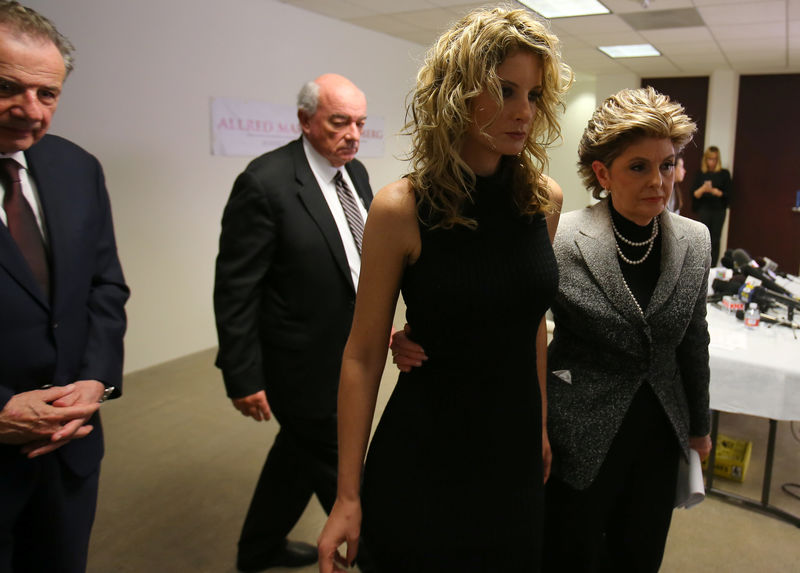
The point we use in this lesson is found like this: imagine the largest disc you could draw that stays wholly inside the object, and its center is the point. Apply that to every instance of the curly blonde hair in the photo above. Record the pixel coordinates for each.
(462, 64)
(623, 119)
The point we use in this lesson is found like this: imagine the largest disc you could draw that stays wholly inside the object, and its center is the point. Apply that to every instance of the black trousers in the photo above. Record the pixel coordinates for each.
(620, 522)
(46, 515)
(302, 462)
(714, 219)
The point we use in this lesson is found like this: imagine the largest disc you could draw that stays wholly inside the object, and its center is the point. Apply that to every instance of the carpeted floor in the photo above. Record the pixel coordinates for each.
(181, 465)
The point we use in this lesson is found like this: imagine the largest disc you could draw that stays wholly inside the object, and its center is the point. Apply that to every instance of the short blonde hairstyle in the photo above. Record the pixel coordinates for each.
(704, 166)
(624, 118)
(460, 66)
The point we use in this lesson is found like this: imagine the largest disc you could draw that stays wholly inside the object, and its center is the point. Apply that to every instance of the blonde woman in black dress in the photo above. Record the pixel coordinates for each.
(454, 476)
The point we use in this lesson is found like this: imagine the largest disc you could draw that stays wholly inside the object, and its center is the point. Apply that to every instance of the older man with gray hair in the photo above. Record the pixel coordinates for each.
(62, 317)
(286, 277)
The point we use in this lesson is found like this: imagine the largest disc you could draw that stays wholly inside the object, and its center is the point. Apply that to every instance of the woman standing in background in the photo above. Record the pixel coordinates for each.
(712, 189)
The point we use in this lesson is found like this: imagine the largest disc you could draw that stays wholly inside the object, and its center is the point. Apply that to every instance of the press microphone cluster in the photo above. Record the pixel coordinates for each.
(742, 263)
(752, 293)
(737, 293)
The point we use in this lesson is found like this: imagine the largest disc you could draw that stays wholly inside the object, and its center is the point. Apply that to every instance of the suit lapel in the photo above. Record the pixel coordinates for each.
(52, 187)
(362, 187)
(311, 196)
(673, 253)
(596, 243)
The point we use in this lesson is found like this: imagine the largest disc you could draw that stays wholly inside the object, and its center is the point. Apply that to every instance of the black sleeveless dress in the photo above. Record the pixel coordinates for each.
(453, 478)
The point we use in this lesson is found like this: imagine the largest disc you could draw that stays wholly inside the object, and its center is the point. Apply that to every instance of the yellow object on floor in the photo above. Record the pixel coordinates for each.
(732, 458)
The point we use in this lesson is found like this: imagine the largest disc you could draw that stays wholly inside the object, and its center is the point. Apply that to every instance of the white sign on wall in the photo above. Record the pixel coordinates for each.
(250, 128)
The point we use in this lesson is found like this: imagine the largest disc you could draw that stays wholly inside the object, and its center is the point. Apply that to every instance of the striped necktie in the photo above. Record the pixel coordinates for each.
(351, 211)
(22, 223)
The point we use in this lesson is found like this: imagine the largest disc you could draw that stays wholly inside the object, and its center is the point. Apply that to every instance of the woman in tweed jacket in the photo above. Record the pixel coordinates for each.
(628, 383)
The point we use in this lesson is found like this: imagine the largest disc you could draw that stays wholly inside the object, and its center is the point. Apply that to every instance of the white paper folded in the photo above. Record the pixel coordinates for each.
(690, 489)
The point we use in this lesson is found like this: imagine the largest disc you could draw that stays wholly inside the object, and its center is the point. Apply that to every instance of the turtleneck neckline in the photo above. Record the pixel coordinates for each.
(499, 176)
(628, 228)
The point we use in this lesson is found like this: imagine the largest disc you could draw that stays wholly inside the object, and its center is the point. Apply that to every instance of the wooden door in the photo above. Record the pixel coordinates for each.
(766, 176)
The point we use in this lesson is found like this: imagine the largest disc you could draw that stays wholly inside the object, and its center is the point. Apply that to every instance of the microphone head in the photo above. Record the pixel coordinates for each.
(741, 258)
(740, 314)
(727, 261)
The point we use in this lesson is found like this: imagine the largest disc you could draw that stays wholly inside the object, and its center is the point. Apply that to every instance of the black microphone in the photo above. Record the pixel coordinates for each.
(742, 258)
(742, 263)
(726, 287)
(727, 259)
(762, 296)
(725, 290)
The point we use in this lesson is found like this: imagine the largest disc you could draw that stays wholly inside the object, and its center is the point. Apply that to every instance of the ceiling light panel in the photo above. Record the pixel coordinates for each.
(565, 8)
(630, 51)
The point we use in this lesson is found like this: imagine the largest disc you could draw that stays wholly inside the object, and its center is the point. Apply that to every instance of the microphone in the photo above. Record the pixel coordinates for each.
(772, 267)
(726, 287)
(742, 258)
(765, 299)
(742, 262)
(727, 259)
(725, 292)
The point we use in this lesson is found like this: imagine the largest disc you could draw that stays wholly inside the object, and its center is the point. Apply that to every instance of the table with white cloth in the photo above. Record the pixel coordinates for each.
(754, 372)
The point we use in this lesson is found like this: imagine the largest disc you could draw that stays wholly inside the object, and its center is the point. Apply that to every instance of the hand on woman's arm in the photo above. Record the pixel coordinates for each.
(406, 353)
(391, 242)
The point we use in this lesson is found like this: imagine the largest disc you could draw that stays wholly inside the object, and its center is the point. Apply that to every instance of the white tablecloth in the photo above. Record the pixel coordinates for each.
(755, 372)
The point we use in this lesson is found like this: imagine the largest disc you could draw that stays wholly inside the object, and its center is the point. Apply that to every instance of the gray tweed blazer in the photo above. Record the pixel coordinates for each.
(604, 348)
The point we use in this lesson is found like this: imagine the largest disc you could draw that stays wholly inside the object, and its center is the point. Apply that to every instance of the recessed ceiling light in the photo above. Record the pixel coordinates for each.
(630, 51)
(565, 8)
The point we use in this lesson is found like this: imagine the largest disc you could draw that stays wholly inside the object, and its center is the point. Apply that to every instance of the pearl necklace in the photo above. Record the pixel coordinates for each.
(630, 292)
(649, 242)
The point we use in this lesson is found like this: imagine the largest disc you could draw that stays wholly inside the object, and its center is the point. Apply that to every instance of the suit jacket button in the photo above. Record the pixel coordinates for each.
(55, 325)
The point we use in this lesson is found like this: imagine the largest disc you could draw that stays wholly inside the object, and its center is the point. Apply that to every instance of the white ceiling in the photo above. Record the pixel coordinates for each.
(747, 36)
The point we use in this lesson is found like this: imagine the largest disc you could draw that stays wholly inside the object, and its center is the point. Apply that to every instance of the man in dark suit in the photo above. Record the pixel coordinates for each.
(62, 318)
(286, 278)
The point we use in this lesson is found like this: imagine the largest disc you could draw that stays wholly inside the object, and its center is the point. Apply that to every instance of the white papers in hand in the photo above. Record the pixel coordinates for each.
(690, 489)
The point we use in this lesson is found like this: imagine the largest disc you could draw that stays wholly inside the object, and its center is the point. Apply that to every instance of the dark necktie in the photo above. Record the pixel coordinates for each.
(22, 224)
(351, 211)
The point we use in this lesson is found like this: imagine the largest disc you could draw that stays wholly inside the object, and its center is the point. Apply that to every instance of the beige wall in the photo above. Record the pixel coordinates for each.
(139, 100)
